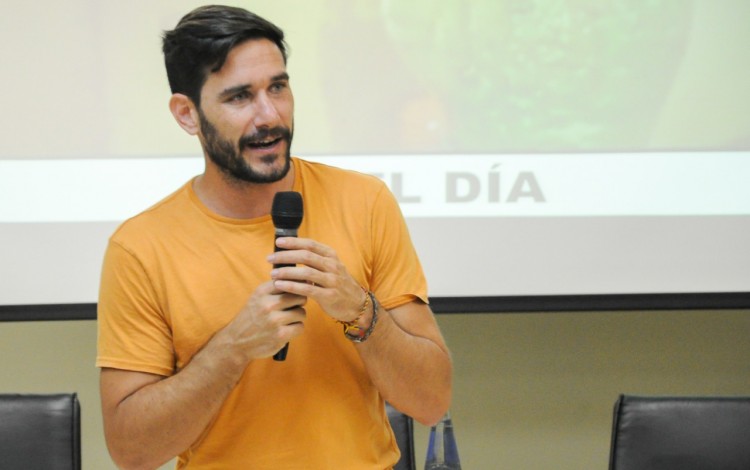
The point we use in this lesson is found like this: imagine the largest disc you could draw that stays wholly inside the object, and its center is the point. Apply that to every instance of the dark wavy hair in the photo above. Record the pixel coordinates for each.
(201, 41)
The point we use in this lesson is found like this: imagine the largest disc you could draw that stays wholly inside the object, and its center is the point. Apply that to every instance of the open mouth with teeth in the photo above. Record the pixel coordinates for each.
(263, 144)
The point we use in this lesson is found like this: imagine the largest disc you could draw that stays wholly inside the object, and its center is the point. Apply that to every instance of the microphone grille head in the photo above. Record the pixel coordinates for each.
(286, 210)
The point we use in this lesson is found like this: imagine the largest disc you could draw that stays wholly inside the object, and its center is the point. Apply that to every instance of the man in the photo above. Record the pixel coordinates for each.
(191, 309)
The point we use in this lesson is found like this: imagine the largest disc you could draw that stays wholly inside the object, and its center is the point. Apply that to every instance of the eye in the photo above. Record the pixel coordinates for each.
(278, 87)
(241, 96)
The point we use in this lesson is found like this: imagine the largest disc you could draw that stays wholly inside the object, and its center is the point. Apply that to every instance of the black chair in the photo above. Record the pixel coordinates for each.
(681, 433)
(40, 432)
(403, 428)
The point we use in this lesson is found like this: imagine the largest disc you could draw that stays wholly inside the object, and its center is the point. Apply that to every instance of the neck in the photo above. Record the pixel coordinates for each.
(238, 199)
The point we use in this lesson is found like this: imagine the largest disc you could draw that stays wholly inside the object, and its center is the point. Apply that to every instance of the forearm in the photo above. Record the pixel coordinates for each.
(164, 417)
(149, 419)
(413, 373)
(405, 356)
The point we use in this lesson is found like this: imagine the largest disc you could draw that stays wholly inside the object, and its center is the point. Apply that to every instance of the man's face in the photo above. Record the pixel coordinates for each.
(246, 114)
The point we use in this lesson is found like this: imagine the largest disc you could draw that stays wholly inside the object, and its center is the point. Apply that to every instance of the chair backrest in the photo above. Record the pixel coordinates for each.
(681, 433)
(403, 429)
(40, 431)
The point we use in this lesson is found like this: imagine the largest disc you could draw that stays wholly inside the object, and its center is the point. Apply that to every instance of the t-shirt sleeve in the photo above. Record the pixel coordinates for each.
(133, 333)
(397, 275)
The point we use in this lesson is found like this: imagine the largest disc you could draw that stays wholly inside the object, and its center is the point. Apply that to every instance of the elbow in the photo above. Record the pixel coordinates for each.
(435, 406)
(133, 450)
(427, 410)
(125, 462)
(126, 459)
(432, 415)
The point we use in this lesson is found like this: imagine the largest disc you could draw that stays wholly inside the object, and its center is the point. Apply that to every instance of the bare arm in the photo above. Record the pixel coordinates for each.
(408, 361)
(406, 356)
(149, 419)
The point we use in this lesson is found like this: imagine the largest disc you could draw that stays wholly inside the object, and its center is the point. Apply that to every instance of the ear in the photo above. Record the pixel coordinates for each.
(185, 113)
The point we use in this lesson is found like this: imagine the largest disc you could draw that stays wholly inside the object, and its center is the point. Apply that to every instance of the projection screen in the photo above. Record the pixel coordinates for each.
(537, 148)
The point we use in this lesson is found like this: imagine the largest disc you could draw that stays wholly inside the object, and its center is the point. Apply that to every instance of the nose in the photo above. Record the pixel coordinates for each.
(266, 114)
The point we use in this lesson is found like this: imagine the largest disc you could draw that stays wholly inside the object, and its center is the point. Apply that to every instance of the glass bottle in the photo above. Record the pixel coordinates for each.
(442, 452)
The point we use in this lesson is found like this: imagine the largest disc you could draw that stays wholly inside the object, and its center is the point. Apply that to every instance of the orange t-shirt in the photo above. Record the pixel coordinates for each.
(177, 273)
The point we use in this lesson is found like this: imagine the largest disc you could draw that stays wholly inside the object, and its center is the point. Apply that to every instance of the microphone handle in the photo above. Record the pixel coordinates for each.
(281, 354)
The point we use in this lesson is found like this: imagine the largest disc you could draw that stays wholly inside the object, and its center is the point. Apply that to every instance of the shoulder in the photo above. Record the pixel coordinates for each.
(328, 177)
(153, 222)
(342, 188)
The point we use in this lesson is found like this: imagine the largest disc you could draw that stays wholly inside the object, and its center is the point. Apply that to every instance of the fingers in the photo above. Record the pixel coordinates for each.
(298, 272)
(306, 261)
(295, 243)
(314, 270)
(287, 323)
(278, 302)
(269, 320)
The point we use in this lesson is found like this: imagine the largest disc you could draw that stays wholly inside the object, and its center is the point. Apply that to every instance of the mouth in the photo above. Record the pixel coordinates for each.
(265, 139)
(263, 144)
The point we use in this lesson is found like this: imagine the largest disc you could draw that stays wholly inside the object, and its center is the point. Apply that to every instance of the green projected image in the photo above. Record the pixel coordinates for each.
(414, 77)
(539, 76)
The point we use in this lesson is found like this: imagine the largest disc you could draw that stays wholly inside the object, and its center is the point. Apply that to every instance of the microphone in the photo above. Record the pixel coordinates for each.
(286, 213)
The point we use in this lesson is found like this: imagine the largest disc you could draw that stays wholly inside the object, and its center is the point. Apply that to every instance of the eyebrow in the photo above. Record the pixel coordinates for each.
(228, 92)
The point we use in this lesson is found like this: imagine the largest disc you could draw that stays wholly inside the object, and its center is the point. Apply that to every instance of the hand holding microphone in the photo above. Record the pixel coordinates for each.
(286, 213)
(326, 278)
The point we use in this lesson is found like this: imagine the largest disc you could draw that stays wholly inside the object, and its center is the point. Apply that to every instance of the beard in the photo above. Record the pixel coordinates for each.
(228, 157)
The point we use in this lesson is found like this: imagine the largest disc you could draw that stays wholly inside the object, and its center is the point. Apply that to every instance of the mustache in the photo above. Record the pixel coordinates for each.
(272, 133)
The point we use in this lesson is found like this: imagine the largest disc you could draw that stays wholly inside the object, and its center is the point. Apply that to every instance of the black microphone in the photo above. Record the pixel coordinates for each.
(286, 213)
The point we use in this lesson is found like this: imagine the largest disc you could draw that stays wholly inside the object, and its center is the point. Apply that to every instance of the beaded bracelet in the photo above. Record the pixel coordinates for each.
(360, 335)
(362, 310)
